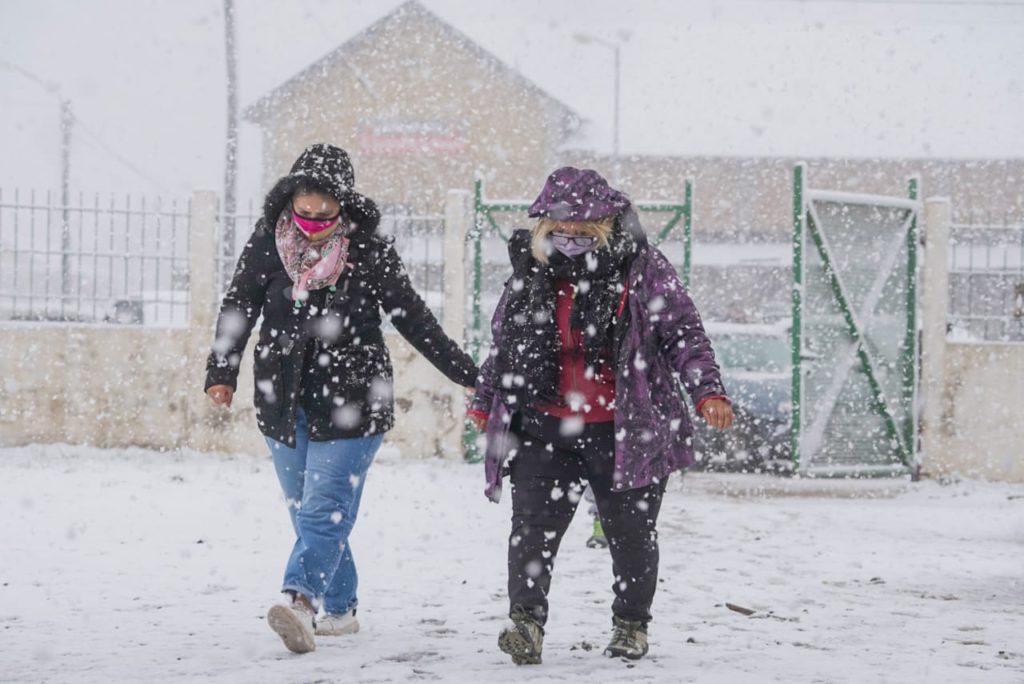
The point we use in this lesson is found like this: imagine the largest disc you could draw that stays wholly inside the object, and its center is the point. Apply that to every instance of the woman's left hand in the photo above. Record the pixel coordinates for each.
(717, 412)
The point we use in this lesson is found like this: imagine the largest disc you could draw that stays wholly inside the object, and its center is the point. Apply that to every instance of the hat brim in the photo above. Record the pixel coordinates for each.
(561, 211)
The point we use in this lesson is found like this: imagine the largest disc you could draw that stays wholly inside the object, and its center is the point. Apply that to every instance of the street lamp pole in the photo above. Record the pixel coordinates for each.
(67, 119)
(227, 245)
(587, 39)
(616, 164)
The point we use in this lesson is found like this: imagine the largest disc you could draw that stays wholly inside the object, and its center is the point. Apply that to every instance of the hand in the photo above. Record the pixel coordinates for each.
(221, 395)
(717, 412)
(478, 421)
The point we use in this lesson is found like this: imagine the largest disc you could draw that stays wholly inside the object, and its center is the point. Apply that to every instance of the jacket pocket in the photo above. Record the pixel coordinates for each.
(268, 384)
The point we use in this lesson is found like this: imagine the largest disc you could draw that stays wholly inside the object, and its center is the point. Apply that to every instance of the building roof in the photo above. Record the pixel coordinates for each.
(412, 9)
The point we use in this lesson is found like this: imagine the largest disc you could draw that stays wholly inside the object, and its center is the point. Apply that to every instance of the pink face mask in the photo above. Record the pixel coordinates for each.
(313, 226)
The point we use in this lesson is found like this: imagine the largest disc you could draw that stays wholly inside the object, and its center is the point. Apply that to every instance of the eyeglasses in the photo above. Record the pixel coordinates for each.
(564, 240)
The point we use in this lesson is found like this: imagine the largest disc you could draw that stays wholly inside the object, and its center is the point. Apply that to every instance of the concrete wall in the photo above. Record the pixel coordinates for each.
(109, 386)
(116, 386)
(972, 392)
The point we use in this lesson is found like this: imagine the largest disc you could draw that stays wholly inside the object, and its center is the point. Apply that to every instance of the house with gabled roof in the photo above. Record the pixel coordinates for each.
(421, 108)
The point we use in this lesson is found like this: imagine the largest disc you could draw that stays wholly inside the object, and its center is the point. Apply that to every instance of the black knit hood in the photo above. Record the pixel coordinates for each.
(326, 168)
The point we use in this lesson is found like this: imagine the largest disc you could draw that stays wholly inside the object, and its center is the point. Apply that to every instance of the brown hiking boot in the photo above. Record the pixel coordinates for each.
(629, 639)
(523, 639)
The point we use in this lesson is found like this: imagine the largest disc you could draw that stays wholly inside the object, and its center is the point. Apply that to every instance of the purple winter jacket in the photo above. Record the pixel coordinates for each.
(664, 345)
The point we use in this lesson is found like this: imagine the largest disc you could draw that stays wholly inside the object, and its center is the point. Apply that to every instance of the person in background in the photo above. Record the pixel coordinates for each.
(597, 539)
(319, 275)
(592, 338)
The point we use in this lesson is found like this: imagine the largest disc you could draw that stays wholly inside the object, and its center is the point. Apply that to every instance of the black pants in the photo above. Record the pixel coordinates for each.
(549, 473)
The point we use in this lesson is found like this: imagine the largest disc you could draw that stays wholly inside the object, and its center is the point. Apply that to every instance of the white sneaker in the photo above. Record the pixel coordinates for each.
(337, 624)
(295, 625)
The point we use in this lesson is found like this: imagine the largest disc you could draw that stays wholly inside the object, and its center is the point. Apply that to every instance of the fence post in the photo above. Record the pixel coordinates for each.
(458, 217)
(202, 249)
(934, 305)
(201, 259)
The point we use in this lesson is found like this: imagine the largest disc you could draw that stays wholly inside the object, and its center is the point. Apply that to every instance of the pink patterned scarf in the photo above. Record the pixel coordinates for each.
(310, 265)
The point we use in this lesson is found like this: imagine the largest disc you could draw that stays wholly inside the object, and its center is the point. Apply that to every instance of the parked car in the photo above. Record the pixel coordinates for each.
(756, 364)
(153, 308)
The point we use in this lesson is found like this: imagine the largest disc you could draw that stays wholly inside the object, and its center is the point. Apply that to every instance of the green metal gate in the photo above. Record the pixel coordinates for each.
(854, 338)
(490, 264)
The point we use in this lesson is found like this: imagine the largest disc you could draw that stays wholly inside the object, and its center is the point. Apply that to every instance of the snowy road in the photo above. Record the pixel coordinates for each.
(128, 565)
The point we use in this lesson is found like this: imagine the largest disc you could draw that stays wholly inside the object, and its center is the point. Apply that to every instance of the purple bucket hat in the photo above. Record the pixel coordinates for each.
(572, 194)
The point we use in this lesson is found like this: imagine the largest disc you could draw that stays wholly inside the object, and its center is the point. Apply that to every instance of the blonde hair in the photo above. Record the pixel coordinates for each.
(599, 229)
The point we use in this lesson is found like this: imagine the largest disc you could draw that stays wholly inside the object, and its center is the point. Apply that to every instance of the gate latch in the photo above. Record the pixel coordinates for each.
(1018, 300)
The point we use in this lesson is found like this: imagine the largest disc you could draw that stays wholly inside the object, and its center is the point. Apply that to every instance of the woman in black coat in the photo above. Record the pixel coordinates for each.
(319, 275)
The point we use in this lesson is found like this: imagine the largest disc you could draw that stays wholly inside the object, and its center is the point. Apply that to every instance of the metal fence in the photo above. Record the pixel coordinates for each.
(986, 283)
(96, 259)
(419, 239)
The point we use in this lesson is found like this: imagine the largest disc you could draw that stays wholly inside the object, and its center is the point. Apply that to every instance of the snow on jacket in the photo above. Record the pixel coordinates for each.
(663, 345)
(326, 355)
(329, 354)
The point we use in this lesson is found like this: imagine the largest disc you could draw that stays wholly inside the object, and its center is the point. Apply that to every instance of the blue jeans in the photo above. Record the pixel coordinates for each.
(323, 483)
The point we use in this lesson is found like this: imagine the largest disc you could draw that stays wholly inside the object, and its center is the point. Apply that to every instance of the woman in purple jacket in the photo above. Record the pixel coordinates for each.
(592, 338)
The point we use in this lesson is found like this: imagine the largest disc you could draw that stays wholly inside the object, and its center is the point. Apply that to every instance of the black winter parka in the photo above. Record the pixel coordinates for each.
(327, 355)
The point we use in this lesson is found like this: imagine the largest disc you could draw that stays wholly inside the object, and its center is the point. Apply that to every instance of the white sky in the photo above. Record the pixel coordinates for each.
(928, 78)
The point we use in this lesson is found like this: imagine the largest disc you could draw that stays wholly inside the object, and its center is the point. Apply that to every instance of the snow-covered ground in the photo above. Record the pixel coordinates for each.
(127, 565)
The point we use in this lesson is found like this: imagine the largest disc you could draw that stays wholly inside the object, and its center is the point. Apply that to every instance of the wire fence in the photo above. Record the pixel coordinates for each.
(986, 283)
(94, 259)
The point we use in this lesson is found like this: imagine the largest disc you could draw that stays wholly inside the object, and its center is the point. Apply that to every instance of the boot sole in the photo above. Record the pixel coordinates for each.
(619, 653)
(350, 629)
(289, 627)
(512, 642)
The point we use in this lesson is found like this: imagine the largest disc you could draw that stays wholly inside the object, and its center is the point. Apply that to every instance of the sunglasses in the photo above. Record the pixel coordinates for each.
(564, 240)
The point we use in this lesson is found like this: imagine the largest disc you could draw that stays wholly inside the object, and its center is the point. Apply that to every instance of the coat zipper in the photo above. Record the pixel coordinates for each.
(576, 347)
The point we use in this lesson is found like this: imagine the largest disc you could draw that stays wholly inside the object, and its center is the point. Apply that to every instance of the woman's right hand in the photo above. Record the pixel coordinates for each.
(221, 395)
